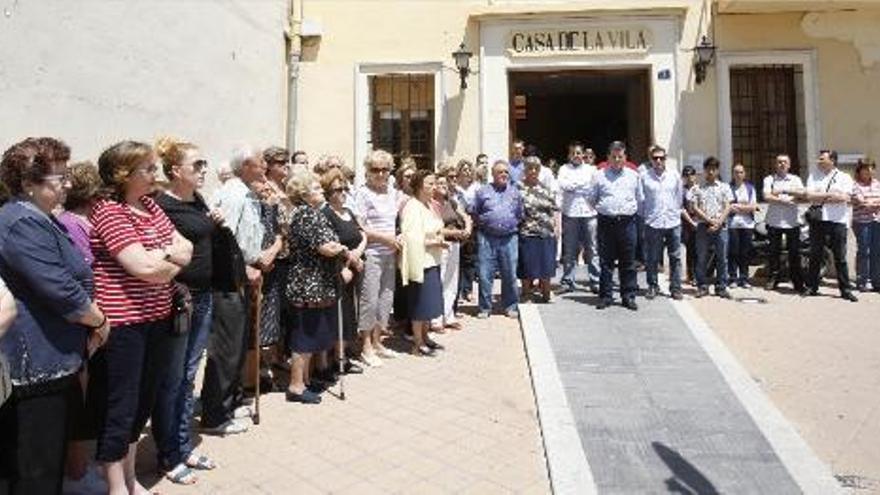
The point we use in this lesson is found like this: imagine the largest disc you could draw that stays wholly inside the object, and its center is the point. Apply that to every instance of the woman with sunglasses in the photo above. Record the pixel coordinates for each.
(185, 169)
(376, 205)
(352, 237)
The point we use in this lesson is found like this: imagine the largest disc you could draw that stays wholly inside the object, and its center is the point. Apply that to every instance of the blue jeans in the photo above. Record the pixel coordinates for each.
(497, 253)
(617, 248)
(170, 350)
(197, 340)
(579, 235)
(739, 254)
(867, 253)
(718, 240)
(655, 241)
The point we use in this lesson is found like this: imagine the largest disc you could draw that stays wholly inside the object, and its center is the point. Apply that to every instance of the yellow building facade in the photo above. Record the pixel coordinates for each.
(786, 77)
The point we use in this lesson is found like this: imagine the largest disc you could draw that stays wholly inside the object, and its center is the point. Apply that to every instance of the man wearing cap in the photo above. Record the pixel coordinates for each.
(614, 195)
(660, 194)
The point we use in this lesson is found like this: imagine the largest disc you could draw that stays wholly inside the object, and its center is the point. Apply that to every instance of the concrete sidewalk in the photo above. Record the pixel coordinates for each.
(464, 422)
(654, 409)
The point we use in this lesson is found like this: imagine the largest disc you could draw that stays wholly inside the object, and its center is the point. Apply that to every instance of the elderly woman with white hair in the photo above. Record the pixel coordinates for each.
(376, 205)
(312, 287)
(237, 256)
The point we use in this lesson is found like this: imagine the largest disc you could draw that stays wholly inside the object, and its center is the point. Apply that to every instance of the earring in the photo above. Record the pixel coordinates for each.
(31, 194)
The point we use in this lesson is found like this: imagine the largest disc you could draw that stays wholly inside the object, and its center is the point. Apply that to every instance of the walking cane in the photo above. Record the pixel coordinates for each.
(340, 343)
(257, 303)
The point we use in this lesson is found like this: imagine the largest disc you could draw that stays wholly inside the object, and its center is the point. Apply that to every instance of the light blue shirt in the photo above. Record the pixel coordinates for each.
(241, 213)
(661, 198)
(615, 192)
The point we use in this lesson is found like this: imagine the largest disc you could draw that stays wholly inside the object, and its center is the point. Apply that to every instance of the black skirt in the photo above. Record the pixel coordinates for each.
(425, 300)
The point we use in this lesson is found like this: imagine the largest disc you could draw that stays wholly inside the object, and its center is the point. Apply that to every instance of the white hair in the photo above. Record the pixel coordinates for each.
(240, 155)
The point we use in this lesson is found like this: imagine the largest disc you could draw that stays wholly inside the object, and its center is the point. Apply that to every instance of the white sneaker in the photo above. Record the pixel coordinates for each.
(242, 412)
(92, 483)
(371, 360)
(386, 353)
(230, 427)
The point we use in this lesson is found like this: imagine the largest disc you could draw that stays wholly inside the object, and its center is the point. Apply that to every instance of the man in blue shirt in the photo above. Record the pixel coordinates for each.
(517, 161)
(497, 210)
(660, 195)
(614, 195)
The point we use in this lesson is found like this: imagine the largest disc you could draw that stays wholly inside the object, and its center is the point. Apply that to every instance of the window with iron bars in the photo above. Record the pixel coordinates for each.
(402, 116)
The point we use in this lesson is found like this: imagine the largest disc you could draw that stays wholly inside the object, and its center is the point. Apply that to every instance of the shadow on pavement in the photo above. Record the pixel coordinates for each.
(686, 478)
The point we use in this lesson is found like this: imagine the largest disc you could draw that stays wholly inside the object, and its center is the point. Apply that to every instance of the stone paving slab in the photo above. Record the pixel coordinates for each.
(654, 414)
(464, 422)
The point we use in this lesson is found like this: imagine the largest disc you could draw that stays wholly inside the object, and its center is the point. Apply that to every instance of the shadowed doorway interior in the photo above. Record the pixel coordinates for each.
(551, 109)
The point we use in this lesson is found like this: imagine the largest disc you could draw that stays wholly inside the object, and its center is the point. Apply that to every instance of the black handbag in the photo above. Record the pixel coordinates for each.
(814, 212)
(181, 309)
(228, 271)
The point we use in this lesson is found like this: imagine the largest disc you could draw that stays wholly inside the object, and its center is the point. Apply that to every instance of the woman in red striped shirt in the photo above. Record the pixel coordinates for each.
(137, 253)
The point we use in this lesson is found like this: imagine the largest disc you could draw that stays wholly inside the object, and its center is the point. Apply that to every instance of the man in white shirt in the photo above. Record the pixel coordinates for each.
(660, 197)
(578, 218)
(782, 191)
(830, 189)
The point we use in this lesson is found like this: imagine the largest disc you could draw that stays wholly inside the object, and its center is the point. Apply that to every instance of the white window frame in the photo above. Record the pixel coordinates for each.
(362, 128)
(806, 59)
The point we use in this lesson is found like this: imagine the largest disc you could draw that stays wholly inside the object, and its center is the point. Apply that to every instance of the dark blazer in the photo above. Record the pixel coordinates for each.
(52, 286)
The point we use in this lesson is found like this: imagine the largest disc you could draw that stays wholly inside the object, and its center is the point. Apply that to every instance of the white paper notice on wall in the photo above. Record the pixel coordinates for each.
(696, 161)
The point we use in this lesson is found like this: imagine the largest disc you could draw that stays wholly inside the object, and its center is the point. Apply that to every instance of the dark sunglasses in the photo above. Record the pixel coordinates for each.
(380, 170)
(661, 158)
(336, 190)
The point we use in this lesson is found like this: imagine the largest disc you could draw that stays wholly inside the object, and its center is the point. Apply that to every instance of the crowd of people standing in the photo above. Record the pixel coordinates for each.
(115, 283)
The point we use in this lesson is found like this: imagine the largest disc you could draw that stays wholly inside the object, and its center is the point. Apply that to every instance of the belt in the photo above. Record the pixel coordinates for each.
(616, 218)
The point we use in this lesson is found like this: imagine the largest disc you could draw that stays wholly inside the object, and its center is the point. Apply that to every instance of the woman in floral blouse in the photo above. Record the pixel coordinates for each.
(538, 231)
(312, 283)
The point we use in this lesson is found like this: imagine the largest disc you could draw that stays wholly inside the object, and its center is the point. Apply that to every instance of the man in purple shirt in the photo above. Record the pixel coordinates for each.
(498, 208)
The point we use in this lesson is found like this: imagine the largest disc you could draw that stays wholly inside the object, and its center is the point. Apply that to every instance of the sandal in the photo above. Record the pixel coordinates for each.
(200, 462)
(181, 475)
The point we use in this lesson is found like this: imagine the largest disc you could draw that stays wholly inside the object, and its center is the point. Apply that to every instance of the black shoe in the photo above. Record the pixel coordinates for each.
(723, 294)
(306, 397)
(849, 296)
(565, 288)
(652, 292)
(350, 368)
(317, 386)
(676, 294)
(702, 292)
(809, 291)
(433, 345)
(630, 304)
(604, 303)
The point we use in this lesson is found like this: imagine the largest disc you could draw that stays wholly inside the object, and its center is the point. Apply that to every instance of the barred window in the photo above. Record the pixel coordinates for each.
(402, 116)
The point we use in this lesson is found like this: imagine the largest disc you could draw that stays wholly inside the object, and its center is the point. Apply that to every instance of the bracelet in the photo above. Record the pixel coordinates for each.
(104, 321)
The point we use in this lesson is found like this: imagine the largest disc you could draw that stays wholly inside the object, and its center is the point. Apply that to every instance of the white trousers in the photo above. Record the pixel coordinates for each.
(449, 271)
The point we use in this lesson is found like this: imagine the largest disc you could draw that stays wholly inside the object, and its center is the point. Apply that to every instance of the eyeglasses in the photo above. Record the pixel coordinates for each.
(337, 190)
(452, 176)
(660, 158)
(380, 170)
(200, 166)
(57, 178)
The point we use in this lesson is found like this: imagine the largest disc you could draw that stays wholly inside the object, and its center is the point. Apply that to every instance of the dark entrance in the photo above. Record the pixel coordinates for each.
(551, 109)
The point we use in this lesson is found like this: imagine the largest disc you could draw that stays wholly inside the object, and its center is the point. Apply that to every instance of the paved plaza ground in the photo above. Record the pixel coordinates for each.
(464, 422)
(677, 398)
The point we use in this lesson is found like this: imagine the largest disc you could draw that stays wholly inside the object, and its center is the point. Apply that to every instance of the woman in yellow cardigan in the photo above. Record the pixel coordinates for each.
(420, 261)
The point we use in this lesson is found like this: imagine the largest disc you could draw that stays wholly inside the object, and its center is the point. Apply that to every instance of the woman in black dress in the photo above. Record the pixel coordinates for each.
(351, 236)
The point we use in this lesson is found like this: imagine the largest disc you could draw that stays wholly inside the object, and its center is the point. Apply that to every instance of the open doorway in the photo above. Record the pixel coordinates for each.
(549, 109)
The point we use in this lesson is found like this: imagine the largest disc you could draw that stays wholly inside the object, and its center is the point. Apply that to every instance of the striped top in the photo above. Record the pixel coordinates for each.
(127, 300)
(866, 192)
